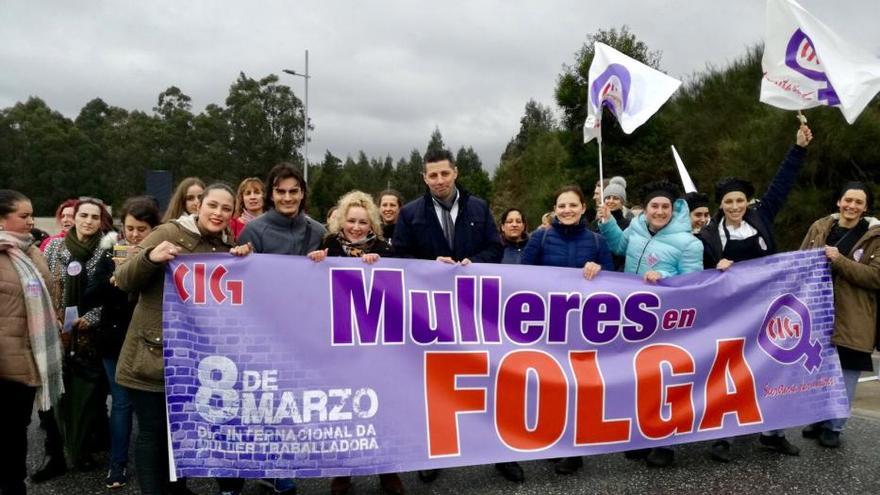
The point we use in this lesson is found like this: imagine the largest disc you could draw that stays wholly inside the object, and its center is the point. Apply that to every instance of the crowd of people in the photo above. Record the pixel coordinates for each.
(81, 311)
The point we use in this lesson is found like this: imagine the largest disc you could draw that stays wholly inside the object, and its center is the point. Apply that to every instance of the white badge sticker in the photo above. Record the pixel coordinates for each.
(858, 254)
(762, 244)
(74, 268)
(33, 289)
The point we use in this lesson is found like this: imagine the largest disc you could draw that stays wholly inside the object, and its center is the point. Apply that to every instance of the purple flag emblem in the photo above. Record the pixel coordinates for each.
(611, 89)
(785, 333)
(801, 56)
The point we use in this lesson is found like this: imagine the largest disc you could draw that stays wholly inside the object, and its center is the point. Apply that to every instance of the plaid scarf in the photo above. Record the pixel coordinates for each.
(41, 320)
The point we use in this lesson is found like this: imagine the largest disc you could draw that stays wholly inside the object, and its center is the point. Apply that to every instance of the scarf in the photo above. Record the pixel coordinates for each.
(246, 217)
(190, 222)
(446, 221)
(359, 248)
(81, 252)
(845, 239)
(41, 320)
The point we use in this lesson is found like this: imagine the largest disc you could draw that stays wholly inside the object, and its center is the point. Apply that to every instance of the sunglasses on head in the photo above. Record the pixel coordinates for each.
(94, 200)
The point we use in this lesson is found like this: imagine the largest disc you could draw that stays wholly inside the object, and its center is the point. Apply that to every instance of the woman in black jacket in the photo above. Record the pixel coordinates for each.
(139, 216)
(739, 232)
(355, 231)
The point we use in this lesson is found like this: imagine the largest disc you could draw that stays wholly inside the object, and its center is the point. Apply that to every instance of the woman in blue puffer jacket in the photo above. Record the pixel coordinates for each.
(658, 243)
(567, 242)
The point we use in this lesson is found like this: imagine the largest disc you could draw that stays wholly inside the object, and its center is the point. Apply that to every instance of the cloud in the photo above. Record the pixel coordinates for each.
(384, 74)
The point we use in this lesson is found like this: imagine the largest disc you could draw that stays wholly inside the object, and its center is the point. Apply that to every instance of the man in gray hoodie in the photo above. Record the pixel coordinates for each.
(284, 228)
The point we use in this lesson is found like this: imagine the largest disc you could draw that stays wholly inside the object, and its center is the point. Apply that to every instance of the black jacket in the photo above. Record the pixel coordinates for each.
(761, 214)
(118, 307)
(334, 248)
(418, 233)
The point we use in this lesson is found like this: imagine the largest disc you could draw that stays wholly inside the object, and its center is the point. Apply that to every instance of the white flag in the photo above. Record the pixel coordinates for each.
(806, 65)
(686, 180)
(631, 90)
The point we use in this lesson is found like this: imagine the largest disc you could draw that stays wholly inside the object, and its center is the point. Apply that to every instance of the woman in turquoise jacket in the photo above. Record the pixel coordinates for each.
(658, 243)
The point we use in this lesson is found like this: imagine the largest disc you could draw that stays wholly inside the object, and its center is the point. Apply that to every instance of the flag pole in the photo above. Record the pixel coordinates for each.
(601, 178)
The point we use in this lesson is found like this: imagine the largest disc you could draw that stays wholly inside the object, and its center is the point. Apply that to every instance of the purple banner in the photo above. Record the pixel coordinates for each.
(277, 366)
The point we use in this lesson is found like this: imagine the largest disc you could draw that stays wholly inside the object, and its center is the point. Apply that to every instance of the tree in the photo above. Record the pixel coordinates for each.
(435, 143)
(266, 124)
(471, 174)
(45, 156)
(408, 176)
(538, 119)
(328, 186)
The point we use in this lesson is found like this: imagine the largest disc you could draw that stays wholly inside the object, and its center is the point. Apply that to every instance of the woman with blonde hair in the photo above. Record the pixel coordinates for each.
(249, 203)
(185, 200)
(356, 231)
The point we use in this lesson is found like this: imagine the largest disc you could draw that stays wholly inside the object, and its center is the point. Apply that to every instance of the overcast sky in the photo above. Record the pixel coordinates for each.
(384, 73)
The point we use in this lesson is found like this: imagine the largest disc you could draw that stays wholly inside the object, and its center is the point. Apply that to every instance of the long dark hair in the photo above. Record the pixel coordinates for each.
(177, 205)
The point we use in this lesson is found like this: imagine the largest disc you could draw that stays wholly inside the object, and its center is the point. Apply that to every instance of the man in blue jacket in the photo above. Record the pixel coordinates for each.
(449, 225)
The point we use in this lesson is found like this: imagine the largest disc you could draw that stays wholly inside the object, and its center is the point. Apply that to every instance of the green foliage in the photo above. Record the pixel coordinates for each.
(716, 122)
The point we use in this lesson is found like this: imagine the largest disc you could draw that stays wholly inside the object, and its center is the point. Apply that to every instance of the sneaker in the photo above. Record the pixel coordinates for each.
(117, 477)
(779, 444)
(720, 451)
(829, 438)
(285, 486)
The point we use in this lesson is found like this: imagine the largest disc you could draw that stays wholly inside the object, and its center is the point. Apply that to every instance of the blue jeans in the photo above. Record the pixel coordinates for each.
(850, 380)
(120, 416)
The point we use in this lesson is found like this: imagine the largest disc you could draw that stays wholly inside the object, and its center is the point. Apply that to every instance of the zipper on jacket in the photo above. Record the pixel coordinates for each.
(643, 255)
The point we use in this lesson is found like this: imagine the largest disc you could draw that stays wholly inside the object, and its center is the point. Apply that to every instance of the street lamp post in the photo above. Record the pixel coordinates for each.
(306, 140)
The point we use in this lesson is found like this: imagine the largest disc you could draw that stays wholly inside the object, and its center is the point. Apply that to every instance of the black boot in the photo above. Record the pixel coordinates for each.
(720, 451)
(660, 457)
(637, 455)
(511, 471)
(778, 444)
(569, 465)
(428, 475)
(53, 466)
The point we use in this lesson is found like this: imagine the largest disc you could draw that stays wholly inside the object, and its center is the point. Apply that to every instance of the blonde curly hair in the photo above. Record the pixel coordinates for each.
(355, 198)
